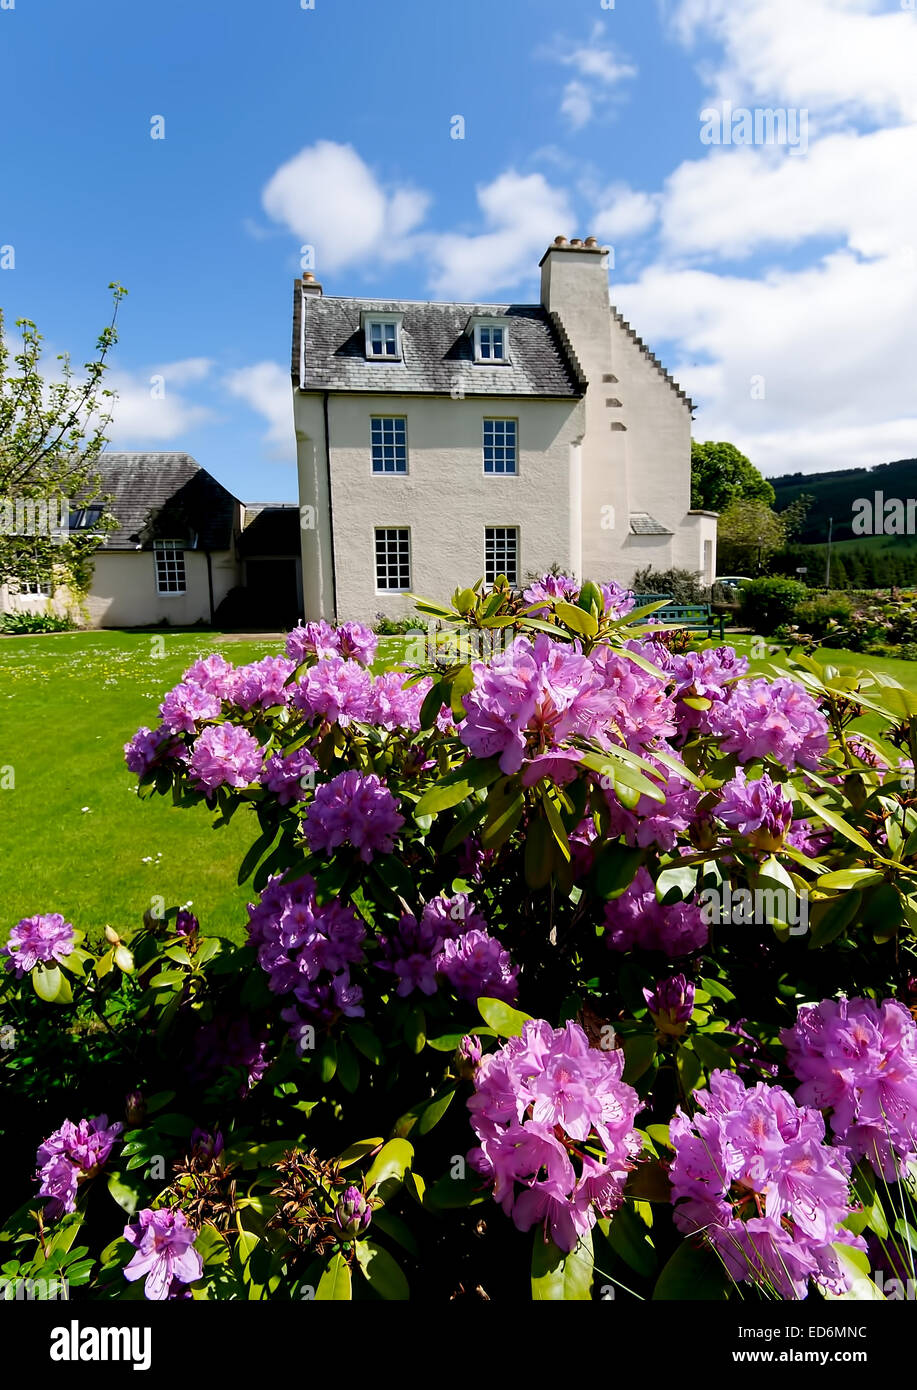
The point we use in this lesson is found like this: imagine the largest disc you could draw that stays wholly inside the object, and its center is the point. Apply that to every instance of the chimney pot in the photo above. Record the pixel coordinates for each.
(576, 241)
(592, 241)
(560, 241)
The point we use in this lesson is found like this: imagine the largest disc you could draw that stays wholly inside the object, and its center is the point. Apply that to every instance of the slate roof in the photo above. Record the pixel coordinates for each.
(642, 524)
(141, 484)
(329, 351)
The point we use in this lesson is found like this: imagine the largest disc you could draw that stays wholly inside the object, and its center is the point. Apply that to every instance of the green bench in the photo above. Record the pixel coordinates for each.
(696, 617)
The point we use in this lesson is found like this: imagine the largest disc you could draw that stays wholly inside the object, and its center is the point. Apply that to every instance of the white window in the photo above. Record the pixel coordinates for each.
(393, 559)
(501, 553)
(383, 337)
(34, 588)
(490, 343)
(389, 438)
(169, 558)
(499, 446)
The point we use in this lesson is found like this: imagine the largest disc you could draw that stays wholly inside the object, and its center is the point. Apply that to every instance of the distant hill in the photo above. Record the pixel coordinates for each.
(835, 494)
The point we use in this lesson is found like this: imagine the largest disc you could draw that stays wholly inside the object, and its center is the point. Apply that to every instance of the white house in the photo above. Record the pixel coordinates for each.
(185, 551)
(438, 442)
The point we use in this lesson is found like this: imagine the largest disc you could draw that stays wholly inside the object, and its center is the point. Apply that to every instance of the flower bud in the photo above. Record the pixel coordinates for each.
(352, 1214)
(134, 1108)
(468, 1057)
(671, 1004)
(112, 936)
(186, 924)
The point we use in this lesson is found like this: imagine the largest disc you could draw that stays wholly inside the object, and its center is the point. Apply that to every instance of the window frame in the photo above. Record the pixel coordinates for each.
(44, 588)
(383, 320)
(516, 530)
(174, 548)
(503, 420)
(489, 360)
(388, 472)
(406, 589)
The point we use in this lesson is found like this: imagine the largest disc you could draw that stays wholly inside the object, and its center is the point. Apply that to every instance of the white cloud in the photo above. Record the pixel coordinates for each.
(150, 407)
(599, 74)
(328, 197)
(624, 212)
(830, 348)
(267, 389)
(839, 57)
(522, 213)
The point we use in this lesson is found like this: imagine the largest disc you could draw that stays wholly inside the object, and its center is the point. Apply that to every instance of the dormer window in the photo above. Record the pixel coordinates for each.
(383, 336)
(491, 341)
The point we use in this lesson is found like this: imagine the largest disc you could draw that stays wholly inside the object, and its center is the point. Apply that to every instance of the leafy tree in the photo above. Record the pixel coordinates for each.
(749, 533)
(720, 474)
(52, 432)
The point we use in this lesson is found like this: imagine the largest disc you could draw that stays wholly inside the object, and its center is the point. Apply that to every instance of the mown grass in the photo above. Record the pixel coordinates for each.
(75, 837)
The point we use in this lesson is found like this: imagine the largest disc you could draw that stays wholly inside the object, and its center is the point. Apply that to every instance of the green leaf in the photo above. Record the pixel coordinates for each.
(843, 879)
(348, 1067)
(560, 1278)
(628, 1238)
(382, 1271)
(442, 798)
(676, 884)
(434, 1112)
(335, 1284)
(711, 1054)
(615, 869)
(829, 921)
(574, 618)
(506, 1021)
(386, 1173)
(539, 853)
(127, 1197)
(693, 1273)
(51, 985)
(358, 1151)
(836, 822)
(689, 1067)
(639, 1056)
(450, 1194)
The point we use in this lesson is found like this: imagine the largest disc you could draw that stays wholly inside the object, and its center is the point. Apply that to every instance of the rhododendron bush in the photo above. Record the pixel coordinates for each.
(577, 965)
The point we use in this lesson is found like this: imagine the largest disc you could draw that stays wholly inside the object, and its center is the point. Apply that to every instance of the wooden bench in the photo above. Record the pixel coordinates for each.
(696, 617)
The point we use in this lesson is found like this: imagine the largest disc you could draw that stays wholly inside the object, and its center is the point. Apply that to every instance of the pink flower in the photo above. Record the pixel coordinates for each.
(340, 692)
(636, 919)
(187, 706)
(225, 756)
(45, 938)
(776, 719)
(263, 683)
(356, 810)
(214, 674)
(165, 1252)
(290, 778)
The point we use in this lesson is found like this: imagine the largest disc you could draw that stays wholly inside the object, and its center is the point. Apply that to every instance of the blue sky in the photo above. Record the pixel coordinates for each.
(779, 284)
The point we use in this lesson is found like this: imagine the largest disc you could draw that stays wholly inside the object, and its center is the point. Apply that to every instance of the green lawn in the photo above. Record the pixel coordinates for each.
(75, 838)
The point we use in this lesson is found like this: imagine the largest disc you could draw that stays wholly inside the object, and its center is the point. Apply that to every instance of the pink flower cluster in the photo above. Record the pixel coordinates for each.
(538, 1101)
(858, 1060)
(356, 810)
(263, 683)
(752, 1171)
(450, 941)
(70, 1154)
(307, 950)
(148, 748)
(550, 587)
(656, 822)
(344, 692)
(45, 938)
(225, 755)
(530, 699)
(770, 719)
(352, 641)
(637, 919)
(761, 810)
(290, 776)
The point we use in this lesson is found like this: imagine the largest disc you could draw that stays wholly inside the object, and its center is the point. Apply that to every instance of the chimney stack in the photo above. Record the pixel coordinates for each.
(310, 285)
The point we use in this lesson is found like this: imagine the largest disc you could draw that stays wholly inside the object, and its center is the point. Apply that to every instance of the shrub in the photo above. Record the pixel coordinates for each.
(394, 627)
(683, 585)
(531, 934)
(767, 603)
(22, 621)
(823, 614)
